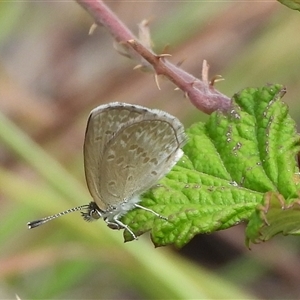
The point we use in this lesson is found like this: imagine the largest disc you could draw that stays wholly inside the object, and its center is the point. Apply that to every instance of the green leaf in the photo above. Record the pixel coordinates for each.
(293, 4)
(229, 164)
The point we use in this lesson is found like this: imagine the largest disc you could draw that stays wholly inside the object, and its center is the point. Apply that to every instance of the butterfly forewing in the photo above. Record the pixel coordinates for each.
(103, 123)
(139, 155)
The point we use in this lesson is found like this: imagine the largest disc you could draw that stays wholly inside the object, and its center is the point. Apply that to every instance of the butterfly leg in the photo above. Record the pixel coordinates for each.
(115, 223)
(125, 227)
(152, 211)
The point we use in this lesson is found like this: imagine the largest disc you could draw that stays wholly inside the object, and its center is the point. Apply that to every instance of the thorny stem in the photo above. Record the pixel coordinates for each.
(201, 93)
(103, 16)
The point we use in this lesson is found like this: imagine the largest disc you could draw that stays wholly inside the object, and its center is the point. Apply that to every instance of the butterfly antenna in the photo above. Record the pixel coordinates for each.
(39, 222)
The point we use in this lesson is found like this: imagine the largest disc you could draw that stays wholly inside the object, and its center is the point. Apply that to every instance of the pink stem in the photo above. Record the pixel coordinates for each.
(201, 93)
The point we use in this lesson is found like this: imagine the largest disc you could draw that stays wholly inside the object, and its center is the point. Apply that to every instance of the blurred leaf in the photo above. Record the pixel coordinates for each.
(293, 4)
(70, 274)
(10, 14)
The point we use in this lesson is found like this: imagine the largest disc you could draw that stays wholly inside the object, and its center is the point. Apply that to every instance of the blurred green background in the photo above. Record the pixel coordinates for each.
(52, 74)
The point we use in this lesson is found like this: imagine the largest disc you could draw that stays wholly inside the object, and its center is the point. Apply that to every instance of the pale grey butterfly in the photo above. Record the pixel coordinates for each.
(127, 150)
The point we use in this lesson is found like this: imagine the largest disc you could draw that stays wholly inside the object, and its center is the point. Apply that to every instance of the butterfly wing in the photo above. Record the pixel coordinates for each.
(103, 124)
(140, 154)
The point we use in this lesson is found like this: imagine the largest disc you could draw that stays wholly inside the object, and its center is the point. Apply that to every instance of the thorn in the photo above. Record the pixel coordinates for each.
(205, 69)
(156, 81)
(138, 67)
(144, 23)
(166, 48)
(163, 55)
(132, 42)
(215, 79)
(93, 28)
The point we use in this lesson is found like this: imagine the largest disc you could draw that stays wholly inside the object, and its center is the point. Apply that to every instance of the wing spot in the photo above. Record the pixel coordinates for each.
(146, 159)
(133, 147)
(111, 157)
(112, 183)
(154, 161)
